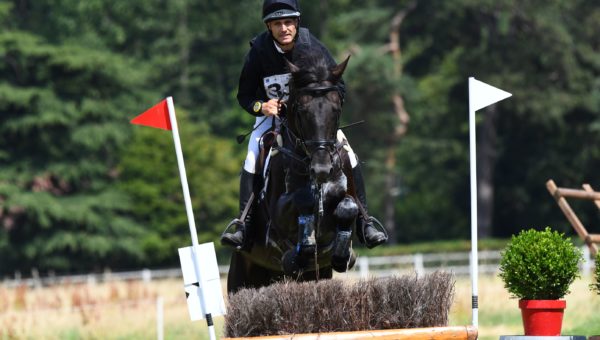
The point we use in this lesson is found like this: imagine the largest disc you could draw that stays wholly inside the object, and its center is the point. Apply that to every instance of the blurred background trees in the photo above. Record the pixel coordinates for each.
(81, 189)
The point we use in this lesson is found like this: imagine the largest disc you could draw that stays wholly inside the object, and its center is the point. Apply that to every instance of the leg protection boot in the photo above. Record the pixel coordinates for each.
(366, 231)
(236, 238)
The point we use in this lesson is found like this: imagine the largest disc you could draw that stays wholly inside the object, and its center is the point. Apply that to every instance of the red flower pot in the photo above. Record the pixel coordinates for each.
(542, 317)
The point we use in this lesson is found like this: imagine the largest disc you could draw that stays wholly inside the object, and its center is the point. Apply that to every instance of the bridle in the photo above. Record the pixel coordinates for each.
(311, 146)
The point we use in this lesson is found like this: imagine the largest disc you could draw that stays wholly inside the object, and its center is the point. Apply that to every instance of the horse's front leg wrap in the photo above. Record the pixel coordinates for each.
(308, 240)
(345, 214)
(304, 202)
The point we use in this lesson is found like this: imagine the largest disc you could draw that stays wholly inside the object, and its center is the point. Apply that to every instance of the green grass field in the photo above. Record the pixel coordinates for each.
(128, 311)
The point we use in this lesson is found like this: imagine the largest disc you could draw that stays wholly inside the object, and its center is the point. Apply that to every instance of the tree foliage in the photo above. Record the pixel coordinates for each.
(61, 122)
(80, 189)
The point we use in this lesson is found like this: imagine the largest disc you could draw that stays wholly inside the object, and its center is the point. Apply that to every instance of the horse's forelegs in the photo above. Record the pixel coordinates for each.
(345, 214)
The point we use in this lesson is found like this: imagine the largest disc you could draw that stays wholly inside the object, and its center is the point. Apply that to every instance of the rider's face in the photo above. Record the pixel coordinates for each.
(283, 30)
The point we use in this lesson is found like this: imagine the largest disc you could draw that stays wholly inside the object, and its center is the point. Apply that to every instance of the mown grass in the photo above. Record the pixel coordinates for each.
(448, 246)
(128, 311)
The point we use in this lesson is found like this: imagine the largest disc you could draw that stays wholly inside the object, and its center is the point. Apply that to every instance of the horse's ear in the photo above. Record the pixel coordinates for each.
(291, 67)
(339, 69)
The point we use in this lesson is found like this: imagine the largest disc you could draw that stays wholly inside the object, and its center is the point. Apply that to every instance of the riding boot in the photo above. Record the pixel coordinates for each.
(238, 237)
(366, 231)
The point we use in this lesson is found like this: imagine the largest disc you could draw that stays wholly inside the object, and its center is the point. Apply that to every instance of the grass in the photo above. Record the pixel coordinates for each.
(439, 246)
(127, 310)
(124, 310)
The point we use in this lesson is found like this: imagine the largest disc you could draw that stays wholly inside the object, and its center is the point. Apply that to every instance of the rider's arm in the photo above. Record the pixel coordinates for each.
(249, 86)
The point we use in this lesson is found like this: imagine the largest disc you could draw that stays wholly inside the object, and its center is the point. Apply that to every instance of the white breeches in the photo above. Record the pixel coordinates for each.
(250, 162)
(253, 144)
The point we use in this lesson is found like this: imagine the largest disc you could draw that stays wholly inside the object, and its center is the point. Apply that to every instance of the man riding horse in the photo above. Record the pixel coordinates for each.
(263, 90)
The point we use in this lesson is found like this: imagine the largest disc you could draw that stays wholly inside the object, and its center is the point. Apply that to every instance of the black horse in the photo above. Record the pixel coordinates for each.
(304, 215)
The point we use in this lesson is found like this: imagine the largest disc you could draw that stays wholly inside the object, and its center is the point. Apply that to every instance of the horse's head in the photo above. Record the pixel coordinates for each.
(315, 109)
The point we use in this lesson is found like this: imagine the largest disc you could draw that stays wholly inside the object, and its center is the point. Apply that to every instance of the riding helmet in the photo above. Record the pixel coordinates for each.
(279, 9)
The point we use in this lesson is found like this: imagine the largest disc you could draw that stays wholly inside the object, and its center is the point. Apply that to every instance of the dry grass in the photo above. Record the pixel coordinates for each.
(407, 301)
(127, 311)
(94, 311)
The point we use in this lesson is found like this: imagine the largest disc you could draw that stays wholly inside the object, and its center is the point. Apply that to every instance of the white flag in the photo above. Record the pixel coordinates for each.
(482, 94)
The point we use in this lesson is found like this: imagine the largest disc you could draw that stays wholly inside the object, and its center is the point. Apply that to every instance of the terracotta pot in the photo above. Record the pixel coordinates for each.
(542, 317)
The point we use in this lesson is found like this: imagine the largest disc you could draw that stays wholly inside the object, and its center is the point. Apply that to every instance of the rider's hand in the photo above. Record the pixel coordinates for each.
(271, 108)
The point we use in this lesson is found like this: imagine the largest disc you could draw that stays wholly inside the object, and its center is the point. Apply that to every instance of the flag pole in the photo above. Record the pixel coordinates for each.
(473, 175)
(190, 214)
(480, 96)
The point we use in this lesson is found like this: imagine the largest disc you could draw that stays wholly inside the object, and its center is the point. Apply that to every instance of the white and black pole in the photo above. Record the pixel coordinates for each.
(480, 96)
(190, 214)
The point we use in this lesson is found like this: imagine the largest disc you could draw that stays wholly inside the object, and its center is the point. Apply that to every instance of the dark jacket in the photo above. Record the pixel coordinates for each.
(263, 60)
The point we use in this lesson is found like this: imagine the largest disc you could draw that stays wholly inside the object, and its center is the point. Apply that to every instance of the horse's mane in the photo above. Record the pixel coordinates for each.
(314, 68)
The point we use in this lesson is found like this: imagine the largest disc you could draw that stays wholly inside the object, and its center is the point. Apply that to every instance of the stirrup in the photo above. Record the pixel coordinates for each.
(377, 226)
(225, 236)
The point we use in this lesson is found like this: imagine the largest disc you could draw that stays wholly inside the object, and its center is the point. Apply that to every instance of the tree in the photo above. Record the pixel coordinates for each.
(61, 121)
(149, 174)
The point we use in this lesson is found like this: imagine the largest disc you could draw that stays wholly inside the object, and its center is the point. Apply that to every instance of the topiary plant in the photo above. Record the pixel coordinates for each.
(595, 287)
(539, 265)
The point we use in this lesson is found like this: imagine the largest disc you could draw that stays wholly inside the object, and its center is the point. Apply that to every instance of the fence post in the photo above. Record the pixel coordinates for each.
(586, 266)
(146, 275)
(363, 266)
(418, 263)
(160, 335)
(35, 275)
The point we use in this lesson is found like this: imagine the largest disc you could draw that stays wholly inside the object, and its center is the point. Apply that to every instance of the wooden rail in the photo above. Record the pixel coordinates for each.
(587, 193)
(435, 333)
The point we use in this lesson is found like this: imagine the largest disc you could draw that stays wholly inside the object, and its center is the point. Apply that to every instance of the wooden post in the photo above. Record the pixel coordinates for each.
(588, 188)
(559, 195)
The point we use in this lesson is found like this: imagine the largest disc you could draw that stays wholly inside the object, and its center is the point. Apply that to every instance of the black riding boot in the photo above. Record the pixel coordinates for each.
(237, 238)
(366, 231)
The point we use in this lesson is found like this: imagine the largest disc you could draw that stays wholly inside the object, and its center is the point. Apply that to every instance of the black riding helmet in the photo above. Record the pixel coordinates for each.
(280, 9)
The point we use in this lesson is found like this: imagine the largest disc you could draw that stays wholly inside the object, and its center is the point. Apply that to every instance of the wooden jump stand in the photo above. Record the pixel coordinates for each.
(560, 195)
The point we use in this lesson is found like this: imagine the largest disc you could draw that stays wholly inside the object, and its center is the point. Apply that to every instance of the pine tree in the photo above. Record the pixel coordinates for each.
(63, 112)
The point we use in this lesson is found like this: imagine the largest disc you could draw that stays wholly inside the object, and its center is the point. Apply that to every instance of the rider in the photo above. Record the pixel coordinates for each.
(263, 82)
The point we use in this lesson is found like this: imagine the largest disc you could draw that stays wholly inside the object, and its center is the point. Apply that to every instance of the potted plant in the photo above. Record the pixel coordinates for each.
(538, 267)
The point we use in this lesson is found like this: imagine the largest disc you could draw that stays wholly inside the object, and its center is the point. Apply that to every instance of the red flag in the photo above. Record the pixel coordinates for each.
(156, 117)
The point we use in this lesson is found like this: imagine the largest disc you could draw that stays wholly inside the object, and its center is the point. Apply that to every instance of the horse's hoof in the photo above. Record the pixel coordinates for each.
(340, 265)
(307, 250)
(290, 264)
(343, 264)
(340, 259)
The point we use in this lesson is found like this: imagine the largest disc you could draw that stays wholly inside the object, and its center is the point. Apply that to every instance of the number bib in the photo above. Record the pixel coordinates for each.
(277, 86)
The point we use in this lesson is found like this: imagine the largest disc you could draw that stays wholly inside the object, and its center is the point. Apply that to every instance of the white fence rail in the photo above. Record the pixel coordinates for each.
(459, 263)
(379, 266)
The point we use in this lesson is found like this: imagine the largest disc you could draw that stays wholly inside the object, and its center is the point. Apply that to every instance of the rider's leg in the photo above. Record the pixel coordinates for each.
(366, 231)
(238, 236)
